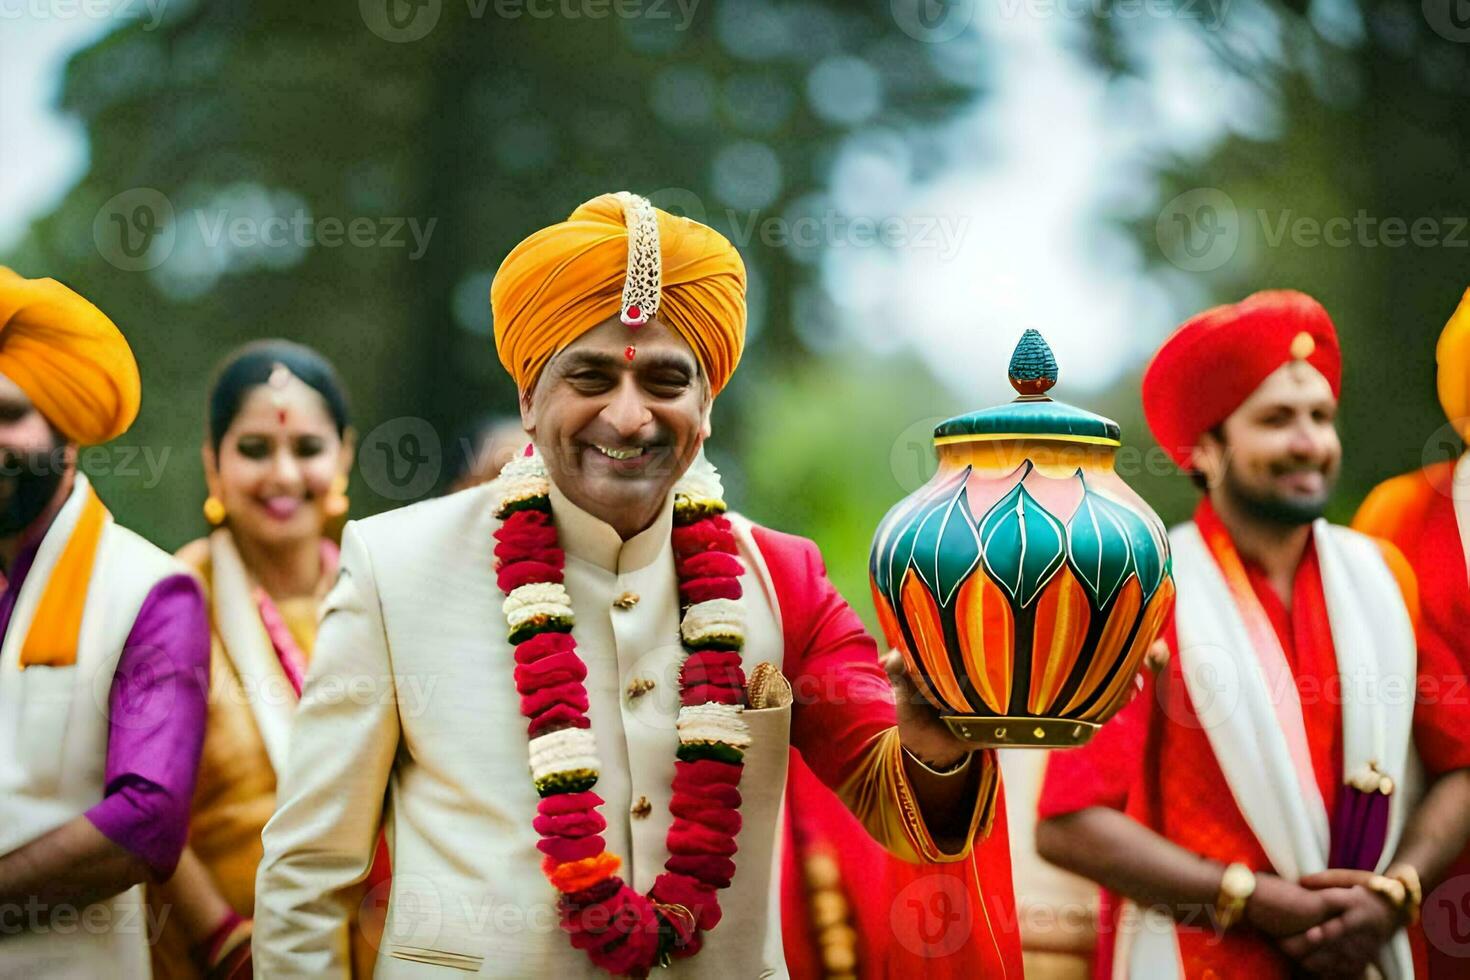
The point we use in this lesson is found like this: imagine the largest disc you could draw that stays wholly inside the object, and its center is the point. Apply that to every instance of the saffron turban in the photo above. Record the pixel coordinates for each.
(566, 279)
(1452, 354)
(1213, 362)
(68, 357)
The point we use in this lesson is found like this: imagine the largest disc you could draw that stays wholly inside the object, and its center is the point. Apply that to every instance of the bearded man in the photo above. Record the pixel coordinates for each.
(594, 614)
(1285, 800)
(104, 649)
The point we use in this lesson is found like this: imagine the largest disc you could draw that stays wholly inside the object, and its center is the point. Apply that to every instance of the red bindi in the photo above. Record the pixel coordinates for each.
(628, 352)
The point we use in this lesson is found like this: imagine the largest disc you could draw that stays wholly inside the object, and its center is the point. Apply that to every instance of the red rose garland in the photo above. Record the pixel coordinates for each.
(622, 931)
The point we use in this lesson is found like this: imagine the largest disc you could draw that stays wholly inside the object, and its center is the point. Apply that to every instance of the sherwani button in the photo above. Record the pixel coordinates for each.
(626, 601)
(642, 808)
(640, 686)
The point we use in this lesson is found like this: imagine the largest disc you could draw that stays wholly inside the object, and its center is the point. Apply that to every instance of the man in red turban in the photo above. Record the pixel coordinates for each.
(1261, 808)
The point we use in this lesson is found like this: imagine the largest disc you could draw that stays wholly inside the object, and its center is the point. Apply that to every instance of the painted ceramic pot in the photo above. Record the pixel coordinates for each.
(1024, 583)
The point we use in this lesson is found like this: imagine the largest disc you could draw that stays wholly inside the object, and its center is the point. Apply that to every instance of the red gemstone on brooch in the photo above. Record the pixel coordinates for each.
(634, 316)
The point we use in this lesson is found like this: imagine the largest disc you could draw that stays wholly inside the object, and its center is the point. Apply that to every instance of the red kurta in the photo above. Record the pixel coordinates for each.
(931, 920)
(1154, 759)
(935, 921)
(1416, 512)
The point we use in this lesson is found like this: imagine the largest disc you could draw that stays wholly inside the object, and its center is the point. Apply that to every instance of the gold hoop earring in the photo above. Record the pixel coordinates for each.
(337, 500)
(214, 510)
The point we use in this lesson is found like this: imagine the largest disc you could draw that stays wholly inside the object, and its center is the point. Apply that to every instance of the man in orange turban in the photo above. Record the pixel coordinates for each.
(567, 278)
(94, 792)
(69, 359)
(1264, 773)
(1427, 514)
(597, 612)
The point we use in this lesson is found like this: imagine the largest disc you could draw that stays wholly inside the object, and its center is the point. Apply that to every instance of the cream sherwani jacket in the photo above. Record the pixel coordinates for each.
(410, 721)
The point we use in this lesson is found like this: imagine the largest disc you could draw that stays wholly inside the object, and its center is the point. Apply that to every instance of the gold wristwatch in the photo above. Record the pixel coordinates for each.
(1237, 885)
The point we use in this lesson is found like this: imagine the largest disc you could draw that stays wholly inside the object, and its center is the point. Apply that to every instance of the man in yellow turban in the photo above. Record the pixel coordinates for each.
(590, 784)
(1426, 513)
(105, 644)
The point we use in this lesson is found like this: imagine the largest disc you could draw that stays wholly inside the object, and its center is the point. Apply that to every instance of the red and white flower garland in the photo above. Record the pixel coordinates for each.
(622, 931)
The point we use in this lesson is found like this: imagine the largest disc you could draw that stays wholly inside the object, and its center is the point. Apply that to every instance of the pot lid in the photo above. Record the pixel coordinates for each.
(1033, 414)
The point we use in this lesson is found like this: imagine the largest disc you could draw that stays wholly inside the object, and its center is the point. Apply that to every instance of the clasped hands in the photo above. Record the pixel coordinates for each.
(1329, 923)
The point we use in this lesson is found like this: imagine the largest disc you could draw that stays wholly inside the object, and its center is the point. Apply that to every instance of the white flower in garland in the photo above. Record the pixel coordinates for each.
(714, 722)
(713, 619)
(523, 478)
(537, 601)
(568, 751)
(701, 481)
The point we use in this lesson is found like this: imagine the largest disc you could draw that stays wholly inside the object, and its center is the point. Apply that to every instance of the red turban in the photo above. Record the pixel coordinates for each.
(1216, 359)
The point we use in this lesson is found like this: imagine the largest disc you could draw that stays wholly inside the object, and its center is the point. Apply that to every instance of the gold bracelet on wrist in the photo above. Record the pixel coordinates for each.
(1390, 890)
(1237, 885)
(1408, 876)
(954, 768)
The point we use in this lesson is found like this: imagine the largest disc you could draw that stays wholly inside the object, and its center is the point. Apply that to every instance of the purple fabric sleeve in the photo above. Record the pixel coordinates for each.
(157, 710)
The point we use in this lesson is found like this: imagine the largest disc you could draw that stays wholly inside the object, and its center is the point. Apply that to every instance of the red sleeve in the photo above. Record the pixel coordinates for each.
(1101, 772)
(1442, 709)
(842, 698)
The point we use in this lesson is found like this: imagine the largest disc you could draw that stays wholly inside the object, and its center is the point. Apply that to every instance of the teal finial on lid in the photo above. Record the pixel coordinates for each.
(1032, 414)
(1033, 367)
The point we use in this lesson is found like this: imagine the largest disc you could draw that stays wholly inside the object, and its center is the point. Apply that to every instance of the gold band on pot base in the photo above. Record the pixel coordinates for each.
(1021, 733)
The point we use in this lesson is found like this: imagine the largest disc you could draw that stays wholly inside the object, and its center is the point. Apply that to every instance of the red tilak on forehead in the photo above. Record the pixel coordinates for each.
(281, 415)
(630, 352)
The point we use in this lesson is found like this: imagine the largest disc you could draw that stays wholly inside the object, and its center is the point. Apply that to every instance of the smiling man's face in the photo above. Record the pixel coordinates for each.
(618, 432)
(1277, 456)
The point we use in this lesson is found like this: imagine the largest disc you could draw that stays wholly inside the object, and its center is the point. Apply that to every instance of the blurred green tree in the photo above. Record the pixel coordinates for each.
(1345, 183)
(236, 145)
